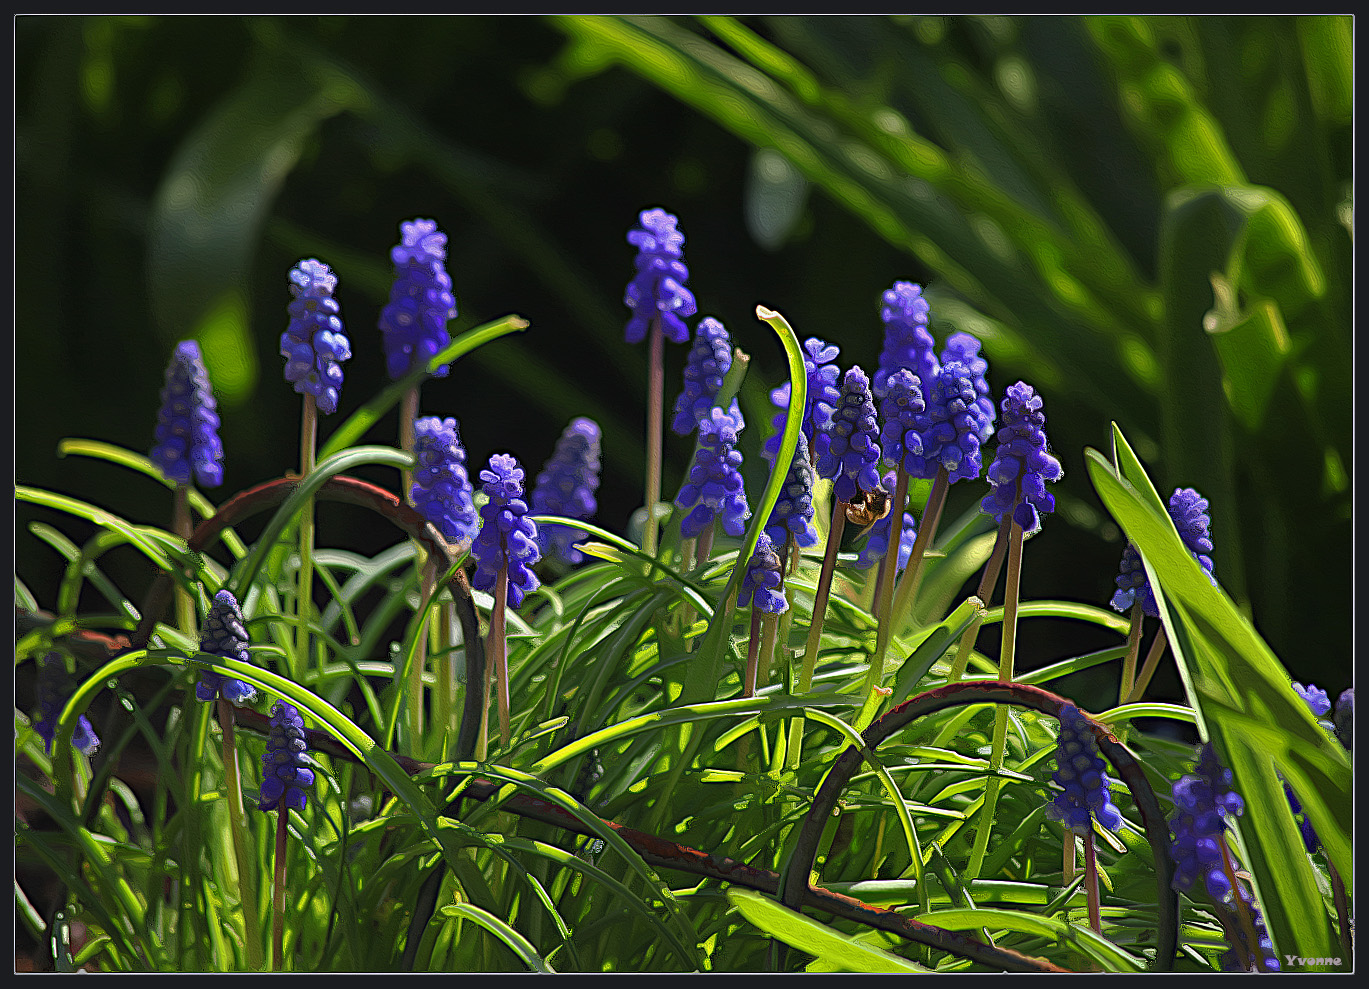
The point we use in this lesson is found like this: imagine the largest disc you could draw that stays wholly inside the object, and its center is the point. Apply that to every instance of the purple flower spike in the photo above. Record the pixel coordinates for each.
(956, 423)
(658, 289)
(1022, 464)
(761, 582)
(907, 342)
(53, 692)
(715, 484)
(708, 363)
(187, 425)
(507, 538)
(566, 487)
(1188, 509)
(964, 348)
(285, 772)
(441, 490)
(902, 410)
(314, 344)
(413, 323)
(878, 542)
(1082, 774)
(1202, 801)
(793, 512)
(852, 457)
(824, 396)
(224, 634)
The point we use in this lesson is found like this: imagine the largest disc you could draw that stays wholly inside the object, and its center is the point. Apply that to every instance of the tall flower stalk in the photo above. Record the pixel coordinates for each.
(658, 298)
(505, 550)
(314, 346)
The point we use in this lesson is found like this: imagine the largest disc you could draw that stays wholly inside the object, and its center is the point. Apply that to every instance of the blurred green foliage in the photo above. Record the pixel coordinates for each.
(1149, 219)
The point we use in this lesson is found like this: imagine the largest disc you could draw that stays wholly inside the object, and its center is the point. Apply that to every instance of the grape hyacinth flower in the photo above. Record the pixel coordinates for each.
(566, 487)
(878, 542)
(314, 343)
(908, 345)
(1188, 509)
(793, 511)
(714, 488)
(761, 582)
(507, 537)
(285, 774)
(708, 362)
(413, 324)
(851, 460)
(224, 634)
(963, 348)
(1082, 775)
(824, 396)
(955, 424)
(1022, 463)
(441, 491)
(52, 692)
(187, 424)
(657, 291)
(1202, 801)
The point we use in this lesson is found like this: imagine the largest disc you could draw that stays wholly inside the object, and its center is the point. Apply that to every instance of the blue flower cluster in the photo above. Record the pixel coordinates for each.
(1022, 464)
(714, 488)
(413, 324)
(1202, 800)
(187, 424)
(824, 396)
(1188, 509)
(52, 693)
(902, 410)
(658, 290)
(284, 770)
(956, 423)
(507, 537)
(851, 460)
(708, 362)
(908, 344)
(566, 487)
(761, 582)
(224, 634)
(1082, 776)
(793, 511)
(441, 490)
(314, 344)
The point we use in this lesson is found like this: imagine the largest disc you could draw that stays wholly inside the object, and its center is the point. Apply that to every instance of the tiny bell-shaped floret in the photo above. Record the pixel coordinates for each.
(852, 457)
(566, 487)
(708, 362)
(441, 490)
(1022, 463)
(714, 488)
(507, 537)
(285, 774)
(314, 344)
(658, 290)
(761, 582)
(187, 424)
(53, 692)
(224, 634)
(793, 511)
(413, 324)
(908, 344)
(1082, 775)
(1188, 510)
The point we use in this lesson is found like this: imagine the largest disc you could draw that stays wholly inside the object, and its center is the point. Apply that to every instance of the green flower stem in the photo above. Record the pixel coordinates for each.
(278, 894)
(703, 551)
(888, 572)
(444, 697)
(769, 625)
(912, 574)
(810, 652)
(408, 415)
(183, 527)
(238, 826)
(1133, 650)
(1067, 865)
(753, 652)
(497, 649)
(987, 582)
(414, 696)
(1157, 649)
(1011, 593)
(307, 443)
(1091, 882)
(655, 405)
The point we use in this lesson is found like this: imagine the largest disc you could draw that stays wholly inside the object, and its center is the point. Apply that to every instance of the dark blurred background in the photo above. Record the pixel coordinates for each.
(171, 170)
